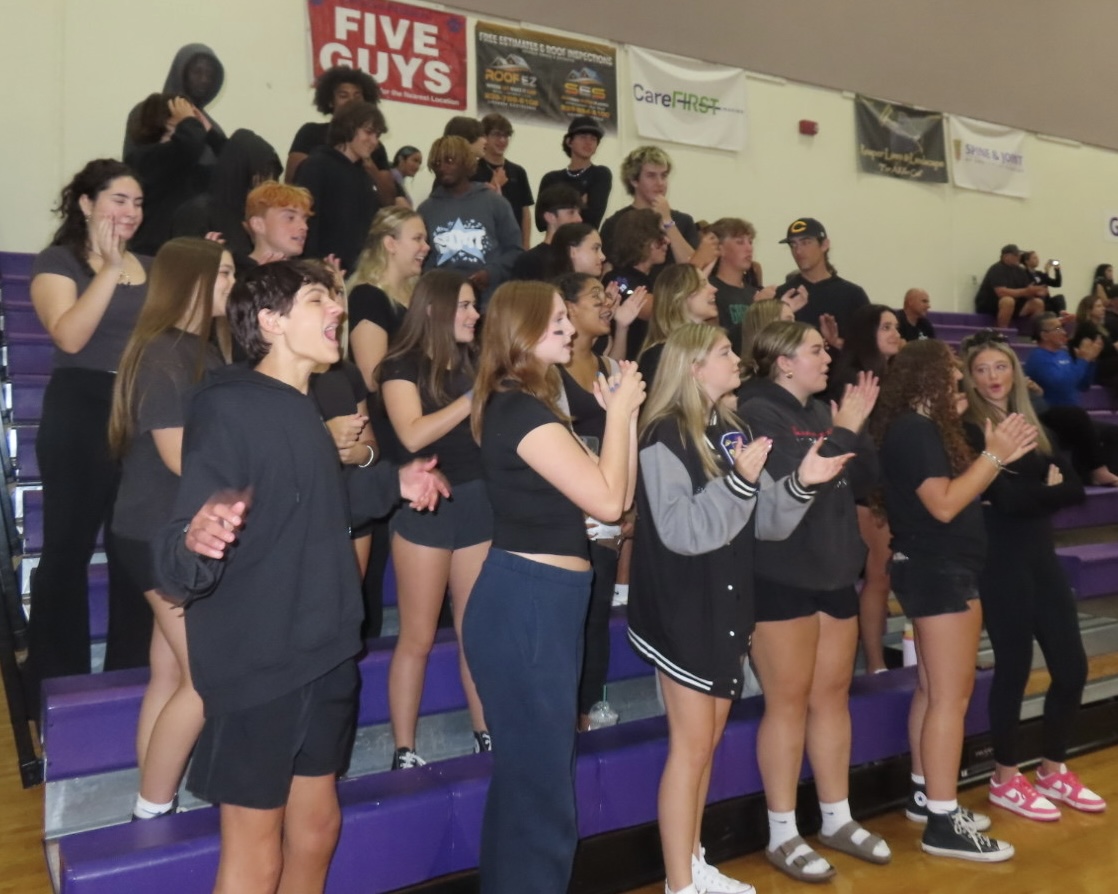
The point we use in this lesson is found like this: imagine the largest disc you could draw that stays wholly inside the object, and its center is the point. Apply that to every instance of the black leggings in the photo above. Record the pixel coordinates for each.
(1025, 595)
(80, 481)
(595, 658)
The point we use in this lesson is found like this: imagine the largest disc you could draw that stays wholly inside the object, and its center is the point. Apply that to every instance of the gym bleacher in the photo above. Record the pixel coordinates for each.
(420, 828)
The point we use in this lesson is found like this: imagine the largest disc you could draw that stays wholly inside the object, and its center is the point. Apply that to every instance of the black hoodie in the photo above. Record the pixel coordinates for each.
(284, 606)
(176, 83)
(345, 204)
(245, 160)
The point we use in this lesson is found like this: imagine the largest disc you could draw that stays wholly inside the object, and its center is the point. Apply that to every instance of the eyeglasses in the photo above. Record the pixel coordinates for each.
(983, 337)
(1059, 329)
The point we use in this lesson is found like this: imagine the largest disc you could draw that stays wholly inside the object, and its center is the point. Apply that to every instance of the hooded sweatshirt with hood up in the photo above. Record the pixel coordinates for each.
(176, 83)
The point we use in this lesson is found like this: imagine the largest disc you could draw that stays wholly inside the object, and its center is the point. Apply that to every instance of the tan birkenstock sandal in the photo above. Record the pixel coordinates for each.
(793, 856)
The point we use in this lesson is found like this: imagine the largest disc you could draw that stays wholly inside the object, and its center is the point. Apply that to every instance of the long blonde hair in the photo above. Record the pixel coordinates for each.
(676, 393)
(979, 409)
(373, 262)
(517, 317)
(759, 315)
(674, 286)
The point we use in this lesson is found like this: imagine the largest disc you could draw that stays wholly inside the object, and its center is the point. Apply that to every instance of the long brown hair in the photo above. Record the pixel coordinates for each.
(181, 288)
(921, 378)
(518, 316)
(427, 333)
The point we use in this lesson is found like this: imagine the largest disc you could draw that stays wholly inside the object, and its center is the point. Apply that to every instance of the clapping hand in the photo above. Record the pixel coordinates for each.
(621, 392)
(815, 469)
(857, 402)
(750, 459)
(625, 312)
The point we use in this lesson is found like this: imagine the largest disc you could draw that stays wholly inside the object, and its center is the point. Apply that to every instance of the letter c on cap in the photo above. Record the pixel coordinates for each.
(800, 225)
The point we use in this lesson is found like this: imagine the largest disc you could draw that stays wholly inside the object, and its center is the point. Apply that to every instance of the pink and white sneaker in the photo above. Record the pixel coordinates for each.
(1021, 798)
(1065, 786)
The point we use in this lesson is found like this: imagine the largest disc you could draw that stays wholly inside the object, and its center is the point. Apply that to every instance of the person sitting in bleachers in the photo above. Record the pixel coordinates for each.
(1061, 373)
(169, 136)
(1007, 291)
(912, 319)
(1090, 324)
(246, 162)
(173, 345)
(1049, 278)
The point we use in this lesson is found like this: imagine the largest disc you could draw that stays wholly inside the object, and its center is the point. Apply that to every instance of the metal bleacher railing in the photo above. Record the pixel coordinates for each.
(18, 317)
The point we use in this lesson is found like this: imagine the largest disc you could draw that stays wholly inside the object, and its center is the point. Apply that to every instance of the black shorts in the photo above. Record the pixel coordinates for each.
(775, 601)
(466, 519)
(135, 557)
(931, 585)
(248, 758)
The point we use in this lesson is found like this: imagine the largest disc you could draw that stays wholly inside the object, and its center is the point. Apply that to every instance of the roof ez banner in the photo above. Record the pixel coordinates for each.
(417, 55)
(988, 157)
(898, 141)
(687, 101)
(538, 78)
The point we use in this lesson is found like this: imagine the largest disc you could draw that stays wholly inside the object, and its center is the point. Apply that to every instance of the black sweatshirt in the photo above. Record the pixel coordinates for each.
(284, 606)
(344, 205)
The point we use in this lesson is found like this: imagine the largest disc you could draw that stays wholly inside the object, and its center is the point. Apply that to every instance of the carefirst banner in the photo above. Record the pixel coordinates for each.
(687, 101)
(901, 142)
(988, 157)
(539, 78)
(417, 55)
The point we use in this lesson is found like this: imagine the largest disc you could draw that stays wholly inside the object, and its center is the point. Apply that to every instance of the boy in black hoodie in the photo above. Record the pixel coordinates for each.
(273, 600)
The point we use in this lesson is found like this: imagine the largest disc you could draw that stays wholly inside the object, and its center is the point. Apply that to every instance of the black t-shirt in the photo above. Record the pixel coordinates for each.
(588, 419)
(733, 302)
(911, 453)
(313, 133)
(833, 295)
(649, 363)
(922, 328)
(516, 191)
(1009, 276)
(368, 302)
(593, 184)
(340, 391)
(529, 515)
(147, 487)
(534, 263)
(630, 279)
(458, 453)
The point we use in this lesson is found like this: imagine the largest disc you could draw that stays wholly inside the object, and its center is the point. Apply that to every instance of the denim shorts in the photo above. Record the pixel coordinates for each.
(931, 585)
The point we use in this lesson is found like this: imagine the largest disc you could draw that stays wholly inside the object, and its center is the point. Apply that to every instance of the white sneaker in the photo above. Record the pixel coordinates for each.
(708, 880)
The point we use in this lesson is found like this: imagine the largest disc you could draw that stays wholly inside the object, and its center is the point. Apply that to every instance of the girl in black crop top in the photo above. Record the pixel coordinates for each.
(426, 382)
(522, 632)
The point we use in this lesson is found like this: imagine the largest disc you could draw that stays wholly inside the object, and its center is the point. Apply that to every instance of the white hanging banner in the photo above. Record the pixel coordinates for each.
(988, 157)
(686, 101)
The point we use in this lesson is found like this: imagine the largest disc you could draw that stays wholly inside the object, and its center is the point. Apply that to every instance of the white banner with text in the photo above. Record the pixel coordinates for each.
(988, 157)
(687, 101)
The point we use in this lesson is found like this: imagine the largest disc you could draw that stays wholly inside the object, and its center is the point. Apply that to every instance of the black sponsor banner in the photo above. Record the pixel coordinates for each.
(538, 78)
(899, 141)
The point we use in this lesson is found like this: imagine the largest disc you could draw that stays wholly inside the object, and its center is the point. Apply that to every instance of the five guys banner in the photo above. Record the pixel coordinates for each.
(543, 78)
(898, 141)
(417, 55)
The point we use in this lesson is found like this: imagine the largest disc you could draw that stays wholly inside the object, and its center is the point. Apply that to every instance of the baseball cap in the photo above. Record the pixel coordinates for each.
(805, 226)
(585, 124)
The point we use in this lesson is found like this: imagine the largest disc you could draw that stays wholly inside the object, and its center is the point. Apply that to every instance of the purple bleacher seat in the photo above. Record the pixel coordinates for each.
(22, 324)
(16, 264)
(98, 601)
(15, 292)
(32, 521)
(1097, 568)
(956, 333)
(1096, 398)
(27, 397)
(26, 461)
(1073, 567)
(30, 358)
(956, 318)
(1100, 508)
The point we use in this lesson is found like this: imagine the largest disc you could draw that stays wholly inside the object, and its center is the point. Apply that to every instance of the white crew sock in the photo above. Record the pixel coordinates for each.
(146, 809)
(835, 815)
(942, 806)
(917, 780)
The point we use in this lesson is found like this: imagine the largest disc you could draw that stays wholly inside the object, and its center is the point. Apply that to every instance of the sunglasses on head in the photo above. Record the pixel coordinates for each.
(983, 337)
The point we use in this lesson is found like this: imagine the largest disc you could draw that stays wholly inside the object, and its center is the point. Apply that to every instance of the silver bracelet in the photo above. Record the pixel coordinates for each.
(371, 459)
(998, 464)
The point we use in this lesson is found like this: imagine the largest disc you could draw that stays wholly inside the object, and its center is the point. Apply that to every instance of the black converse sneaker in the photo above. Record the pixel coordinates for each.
(917, 810)
(406, 759)
(483, 742)
(954, 835)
